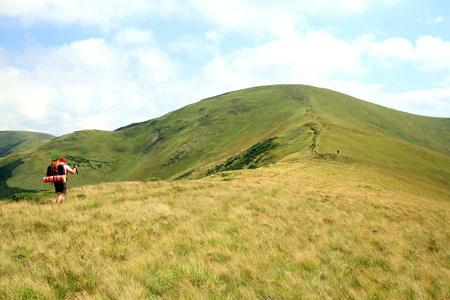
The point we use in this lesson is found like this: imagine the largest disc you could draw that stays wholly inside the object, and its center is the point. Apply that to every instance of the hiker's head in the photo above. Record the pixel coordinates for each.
(62, 159)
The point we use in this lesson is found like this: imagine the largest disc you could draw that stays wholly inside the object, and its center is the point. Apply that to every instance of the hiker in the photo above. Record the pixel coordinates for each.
(61, 186)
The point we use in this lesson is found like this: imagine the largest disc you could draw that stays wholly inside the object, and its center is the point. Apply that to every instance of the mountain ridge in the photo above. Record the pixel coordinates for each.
(12, 141)
(232, 128)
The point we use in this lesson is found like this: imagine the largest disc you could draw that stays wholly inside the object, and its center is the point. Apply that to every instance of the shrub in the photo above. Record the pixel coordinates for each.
(31, 196)
(152, 179)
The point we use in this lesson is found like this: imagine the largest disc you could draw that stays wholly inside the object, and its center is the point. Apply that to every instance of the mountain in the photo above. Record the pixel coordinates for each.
(246, 129)
(17, 141)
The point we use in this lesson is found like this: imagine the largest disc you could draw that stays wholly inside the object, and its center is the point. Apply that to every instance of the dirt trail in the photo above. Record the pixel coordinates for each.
(314, 125)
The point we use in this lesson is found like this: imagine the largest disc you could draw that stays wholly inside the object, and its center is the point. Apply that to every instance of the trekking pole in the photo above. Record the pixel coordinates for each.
(80, 181)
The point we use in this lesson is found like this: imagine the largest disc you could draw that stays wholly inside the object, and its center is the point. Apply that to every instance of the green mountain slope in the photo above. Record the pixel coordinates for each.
(17, 141)
(339, 109)
(247, 129)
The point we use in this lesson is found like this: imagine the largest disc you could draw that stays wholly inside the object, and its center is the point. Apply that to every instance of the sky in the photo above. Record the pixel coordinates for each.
(69, 65)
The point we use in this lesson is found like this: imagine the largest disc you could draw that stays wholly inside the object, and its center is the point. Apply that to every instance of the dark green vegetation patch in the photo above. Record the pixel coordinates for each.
(36, 196)
(254, 157)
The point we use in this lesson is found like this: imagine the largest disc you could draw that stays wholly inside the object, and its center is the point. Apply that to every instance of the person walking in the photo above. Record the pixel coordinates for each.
(61, 187)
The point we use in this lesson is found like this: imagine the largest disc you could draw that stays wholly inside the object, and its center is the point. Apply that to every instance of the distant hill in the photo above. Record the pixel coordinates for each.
(246, 129)
(16, 141)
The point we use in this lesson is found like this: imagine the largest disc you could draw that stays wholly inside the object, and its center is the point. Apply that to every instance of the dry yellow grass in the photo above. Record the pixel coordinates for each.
(302, 229)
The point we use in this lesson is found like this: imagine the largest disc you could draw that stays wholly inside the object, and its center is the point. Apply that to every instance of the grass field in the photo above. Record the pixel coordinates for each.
(309, 227)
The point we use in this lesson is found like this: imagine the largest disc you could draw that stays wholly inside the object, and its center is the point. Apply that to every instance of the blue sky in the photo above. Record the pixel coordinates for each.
(82, 64)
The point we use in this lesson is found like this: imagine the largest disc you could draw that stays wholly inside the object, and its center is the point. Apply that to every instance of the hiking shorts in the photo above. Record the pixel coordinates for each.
(61, 187)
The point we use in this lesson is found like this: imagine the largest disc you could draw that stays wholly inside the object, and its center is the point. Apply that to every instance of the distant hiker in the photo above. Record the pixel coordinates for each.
(61, 186)
(338, 152)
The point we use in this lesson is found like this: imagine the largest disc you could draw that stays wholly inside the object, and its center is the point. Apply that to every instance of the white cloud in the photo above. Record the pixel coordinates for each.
(398, 48)
(4, 60)
(316, 54)
(108, 99)
(83, 79)
(248, 15)
(213, 36)
(78, 98)
(433, 20)
(92, 53)
(434, 102)
(232, 11)
(23, 101)
(134, 36)
(433, 52)
(109, 13)
(155, 66)
(99, 121)
(103, 13)
(355, 88)
(277, 17)
(79, 60)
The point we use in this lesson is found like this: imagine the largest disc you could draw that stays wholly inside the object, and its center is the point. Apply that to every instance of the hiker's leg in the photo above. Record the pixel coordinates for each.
(60, 198)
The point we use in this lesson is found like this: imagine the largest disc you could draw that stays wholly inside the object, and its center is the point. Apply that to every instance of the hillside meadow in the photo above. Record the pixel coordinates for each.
(251, 127)
(308, 227)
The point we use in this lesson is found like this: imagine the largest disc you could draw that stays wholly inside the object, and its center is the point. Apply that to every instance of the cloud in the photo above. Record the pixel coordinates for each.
(134, 36)
(4, 60)
(238, 12)
(83, 79)
(213, 36)
(245, 15)
(23, 101)
(289, 59)
(433, 20)
(434, 102)
(433, 52)
(102, 121)
(397, 48)
(279, 18)
(105, 14)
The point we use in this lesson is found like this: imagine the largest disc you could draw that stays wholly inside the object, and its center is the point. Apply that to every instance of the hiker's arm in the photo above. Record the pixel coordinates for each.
(72, 171)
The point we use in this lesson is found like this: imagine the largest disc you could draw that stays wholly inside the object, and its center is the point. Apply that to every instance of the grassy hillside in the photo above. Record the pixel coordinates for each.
(271, 211)
(344, 111)
(16, 141)
(12, 144)
(245, 129)
(312, 227)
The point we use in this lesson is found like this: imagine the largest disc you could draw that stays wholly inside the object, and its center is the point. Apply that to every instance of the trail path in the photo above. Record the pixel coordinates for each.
(314, 125)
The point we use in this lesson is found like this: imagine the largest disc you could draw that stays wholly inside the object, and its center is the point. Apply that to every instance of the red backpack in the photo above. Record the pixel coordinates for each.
(52, 170)
(56, 168)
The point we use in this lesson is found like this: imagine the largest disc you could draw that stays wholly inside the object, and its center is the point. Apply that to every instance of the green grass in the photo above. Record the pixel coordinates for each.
(312, 227)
